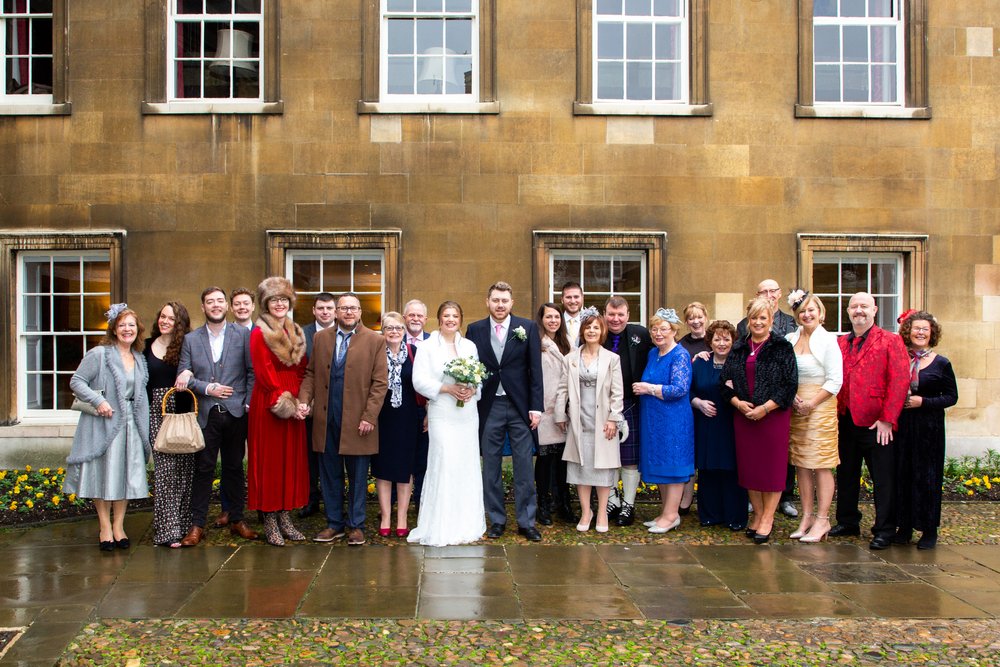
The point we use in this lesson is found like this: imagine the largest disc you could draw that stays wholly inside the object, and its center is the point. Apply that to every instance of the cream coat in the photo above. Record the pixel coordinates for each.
(553, 367)
(609, 407)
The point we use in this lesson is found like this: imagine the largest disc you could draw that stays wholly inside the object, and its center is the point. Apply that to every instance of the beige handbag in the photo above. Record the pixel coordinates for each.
(179, 433)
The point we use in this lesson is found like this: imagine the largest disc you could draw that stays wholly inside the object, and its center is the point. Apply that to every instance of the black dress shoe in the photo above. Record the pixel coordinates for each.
(107, 545)
(879, 542)
(308, 510)
(123, 543)
(531, 533)
(495, 531)
(928, 539)
(902, 536)
(761, 539)
(840, 530)
(626, 516)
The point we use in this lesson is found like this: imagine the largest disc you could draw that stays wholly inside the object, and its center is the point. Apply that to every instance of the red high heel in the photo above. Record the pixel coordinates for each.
(385, 532)
(402, 532)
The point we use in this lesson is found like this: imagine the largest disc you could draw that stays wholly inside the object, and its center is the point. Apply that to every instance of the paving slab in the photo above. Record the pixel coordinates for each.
(908, 600)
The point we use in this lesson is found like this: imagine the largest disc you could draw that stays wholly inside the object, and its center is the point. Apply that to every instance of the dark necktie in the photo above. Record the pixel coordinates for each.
(342, 350)
(615, 340)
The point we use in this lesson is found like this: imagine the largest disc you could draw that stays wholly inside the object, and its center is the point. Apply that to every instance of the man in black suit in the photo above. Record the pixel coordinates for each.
(415, 316)
(324, 315)
(632, 343)
(511, 406)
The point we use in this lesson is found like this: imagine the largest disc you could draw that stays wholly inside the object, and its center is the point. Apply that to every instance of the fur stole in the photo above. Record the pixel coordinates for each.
(284, 338)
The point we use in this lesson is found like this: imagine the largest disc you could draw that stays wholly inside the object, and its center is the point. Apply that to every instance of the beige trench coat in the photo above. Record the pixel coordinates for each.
(609, 407)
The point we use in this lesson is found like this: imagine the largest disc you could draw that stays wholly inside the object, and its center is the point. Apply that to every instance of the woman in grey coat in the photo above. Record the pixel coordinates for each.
(108, 460)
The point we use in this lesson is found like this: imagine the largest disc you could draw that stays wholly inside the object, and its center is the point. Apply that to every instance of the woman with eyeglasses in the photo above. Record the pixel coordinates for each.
(399, 427)
(919, 444)
(277, 465)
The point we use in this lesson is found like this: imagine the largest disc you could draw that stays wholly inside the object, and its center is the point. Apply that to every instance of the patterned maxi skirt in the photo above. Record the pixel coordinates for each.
(172, 475)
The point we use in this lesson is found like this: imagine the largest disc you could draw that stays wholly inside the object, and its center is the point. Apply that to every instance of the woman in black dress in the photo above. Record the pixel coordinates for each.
(694, 341)
(919, 444)
(172, 473)
(399, 429)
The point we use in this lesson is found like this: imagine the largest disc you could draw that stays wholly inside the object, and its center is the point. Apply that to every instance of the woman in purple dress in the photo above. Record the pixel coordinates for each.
(919, 444)
(759, 380)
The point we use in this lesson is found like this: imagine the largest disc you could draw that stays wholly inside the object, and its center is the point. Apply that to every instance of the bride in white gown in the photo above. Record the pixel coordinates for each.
(451, 504)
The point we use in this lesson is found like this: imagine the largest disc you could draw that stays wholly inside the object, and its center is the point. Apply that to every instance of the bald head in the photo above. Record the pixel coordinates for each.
(770, 290)
(861, 309)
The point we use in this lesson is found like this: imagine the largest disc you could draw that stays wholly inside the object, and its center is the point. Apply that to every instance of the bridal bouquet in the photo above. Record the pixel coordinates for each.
(466, 370)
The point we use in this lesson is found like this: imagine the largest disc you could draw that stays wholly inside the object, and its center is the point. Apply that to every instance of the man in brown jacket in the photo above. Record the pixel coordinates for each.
(346, 383)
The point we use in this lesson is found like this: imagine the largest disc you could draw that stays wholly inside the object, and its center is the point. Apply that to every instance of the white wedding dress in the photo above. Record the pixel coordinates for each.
(451, 504)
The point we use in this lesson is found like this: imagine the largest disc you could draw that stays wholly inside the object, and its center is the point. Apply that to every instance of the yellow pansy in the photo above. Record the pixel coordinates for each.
(72, 497)
(60, 471)
(44, 471)
(971, 492)
(27, 468)
(17, 490)
(371, 487)
(3, 474)
(56, 500)
(39, 495)
(29, 504)
(13, 505)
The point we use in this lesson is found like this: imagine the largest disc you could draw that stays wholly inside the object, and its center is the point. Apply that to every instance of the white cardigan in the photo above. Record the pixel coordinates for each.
(823, 345)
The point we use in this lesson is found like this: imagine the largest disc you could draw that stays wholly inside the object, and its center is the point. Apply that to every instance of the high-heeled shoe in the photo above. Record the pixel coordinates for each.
(660, 530)
(402, 532)
(106, 545)
(123, 543)
(750, 532)
(385, 532)
(649, 524)
(817, 537)
(272, 534)
(804, 527)
(599, 528)
(584, 526)
(288, 530)
(761, 539)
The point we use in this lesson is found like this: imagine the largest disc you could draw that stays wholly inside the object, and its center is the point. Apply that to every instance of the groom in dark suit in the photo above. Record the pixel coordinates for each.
(511, 406)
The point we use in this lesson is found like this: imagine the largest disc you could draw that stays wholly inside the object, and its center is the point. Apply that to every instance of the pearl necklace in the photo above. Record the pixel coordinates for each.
(753, 351)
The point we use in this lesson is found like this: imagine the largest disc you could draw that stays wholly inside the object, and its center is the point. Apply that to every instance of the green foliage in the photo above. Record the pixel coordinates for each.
(25, 490)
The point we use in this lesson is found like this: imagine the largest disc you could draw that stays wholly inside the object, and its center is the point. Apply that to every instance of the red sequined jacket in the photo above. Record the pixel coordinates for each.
(876, 378)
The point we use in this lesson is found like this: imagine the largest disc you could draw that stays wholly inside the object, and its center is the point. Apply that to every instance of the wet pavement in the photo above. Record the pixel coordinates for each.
(54, 579)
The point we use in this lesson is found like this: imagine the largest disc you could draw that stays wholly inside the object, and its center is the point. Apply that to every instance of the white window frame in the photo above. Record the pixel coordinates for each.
(32, 104)
(611, 255)
(897, 22)
(174, 19)
(432, 98)
(683, 21)
(838, 322)
(31, 16)
(22, 353)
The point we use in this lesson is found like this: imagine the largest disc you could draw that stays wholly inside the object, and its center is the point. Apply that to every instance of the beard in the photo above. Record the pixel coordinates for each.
(215, 320)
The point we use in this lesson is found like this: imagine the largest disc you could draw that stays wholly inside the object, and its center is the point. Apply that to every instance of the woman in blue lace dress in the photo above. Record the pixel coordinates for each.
(667, 450)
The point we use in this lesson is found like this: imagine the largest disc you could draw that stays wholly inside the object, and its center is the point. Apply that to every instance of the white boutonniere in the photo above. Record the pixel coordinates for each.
(520, 333)
(635, 340)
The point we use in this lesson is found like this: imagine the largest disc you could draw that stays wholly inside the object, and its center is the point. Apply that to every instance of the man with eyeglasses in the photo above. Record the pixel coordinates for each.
(345, 383)
(782, 325)
(415, 316)
(324, 312)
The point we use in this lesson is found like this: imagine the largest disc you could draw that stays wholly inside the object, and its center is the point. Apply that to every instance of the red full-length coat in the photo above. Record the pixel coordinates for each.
(277, 467)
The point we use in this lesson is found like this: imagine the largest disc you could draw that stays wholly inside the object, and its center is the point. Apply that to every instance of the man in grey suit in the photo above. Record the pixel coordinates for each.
(324, 316)
(215, 364)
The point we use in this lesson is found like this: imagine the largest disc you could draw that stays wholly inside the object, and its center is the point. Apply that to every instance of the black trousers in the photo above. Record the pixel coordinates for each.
(225, 435)
(857, 444)
(313, 458)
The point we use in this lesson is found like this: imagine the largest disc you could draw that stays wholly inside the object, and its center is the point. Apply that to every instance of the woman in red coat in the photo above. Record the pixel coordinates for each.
(277, 467)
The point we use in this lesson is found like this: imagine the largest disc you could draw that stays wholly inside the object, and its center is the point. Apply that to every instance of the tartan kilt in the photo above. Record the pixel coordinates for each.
(629, 447)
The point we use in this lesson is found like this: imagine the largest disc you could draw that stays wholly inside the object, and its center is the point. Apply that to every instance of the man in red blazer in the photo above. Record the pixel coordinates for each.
(876, 379)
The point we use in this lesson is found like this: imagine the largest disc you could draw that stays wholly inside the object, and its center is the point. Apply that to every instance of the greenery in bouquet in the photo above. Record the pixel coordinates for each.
(466, 370)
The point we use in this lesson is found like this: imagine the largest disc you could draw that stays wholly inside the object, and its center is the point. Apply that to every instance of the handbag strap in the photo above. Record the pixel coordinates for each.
(163, 404)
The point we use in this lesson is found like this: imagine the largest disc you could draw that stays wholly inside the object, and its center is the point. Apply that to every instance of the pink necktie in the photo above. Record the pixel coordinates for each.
(499, 330)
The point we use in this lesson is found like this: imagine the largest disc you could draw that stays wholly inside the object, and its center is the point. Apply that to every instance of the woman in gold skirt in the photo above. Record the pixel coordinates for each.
(813, 439)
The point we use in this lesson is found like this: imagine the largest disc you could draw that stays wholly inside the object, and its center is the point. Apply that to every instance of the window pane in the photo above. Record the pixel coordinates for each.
(38, 353)
(41, 6)
(824, 7)
(367, 275)
(825, 278)
(640, 81)
(668, 42)
(668, 81)
(884, 83)
(634, 308)
(640, 40)
(628, 275)
(611, 80)
(371, 310)
(854, 277)
(637, 7)
(428, 5)
(883, 44)
(458, 6)
(306, 275)
(597, 274)
(39, 392)
(855, 44)
(612, 7)
(400, 76)
(36, 314)
(337, 275)
(69, 352)
(887, 313)
(856, 83)
(399, 5)
(611, 40)
(852, 7)
(399, 37)
(37, 276)
(94, 308)
(190, 6)
(430, 34)
(462, 84)
(834, 313)
(458, 35)
(66, 275)
(303, 310)
(884, 277)
(64, 395)
(666, 8)
(880, 8)
(248, 6)
(66, 313)
(826, 44)
(218, 6)
(827, 83)
(564, 271)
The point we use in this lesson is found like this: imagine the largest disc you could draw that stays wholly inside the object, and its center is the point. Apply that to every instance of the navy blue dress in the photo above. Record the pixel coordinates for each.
(399, 432)
(721, 500)
(667, 450)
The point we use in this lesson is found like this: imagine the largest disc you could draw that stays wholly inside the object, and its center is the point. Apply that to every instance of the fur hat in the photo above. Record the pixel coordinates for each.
(272, 287)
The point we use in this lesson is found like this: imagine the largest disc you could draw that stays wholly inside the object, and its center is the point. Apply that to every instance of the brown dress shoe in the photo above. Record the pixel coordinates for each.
(355, 537)
(193, 537)
(223, 520)
(241, 529)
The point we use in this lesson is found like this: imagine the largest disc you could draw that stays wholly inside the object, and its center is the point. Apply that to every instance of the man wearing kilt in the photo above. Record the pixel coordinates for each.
(632, 343)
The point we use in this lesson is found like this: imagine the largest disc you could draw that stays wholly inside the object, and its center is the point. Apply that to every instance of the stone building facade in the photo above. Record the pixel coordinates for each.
(669, 150)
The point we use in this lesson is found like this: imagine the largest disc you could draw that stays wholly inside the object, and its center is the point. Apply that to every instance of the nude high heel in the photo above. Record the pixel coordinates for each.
(817, 537)
(803, 527)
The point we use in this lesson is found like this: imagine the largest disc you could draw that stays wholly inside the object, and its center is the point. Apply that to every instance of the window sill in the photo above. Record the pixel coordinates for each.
(41, 109)
(428, 107)
(892, 113)
(644, 109)
(206, 107)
